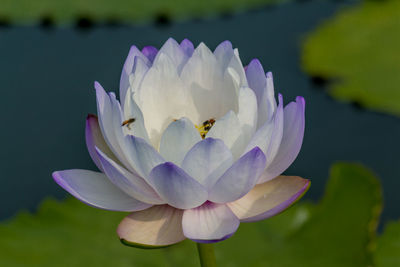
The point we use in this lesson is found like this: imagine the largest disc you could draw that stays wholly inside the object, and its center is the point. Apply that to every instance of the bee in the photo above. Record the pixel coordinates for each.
(128, 122)
(208, 124)
(205, 127)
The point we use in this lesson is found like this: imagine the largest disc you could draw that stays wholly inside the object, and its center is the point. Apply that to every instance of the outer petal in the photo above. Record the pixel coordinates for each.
(158, 226)
(270, 198)
(239, 179)
(128, 182)
(263, 87)
(176, 187)
(209, 223)
(187, 47)
(150, 52)
(207, 161)
(177, 139)
(127, 70)
(94, 138)
(293, 132)
(94, 188)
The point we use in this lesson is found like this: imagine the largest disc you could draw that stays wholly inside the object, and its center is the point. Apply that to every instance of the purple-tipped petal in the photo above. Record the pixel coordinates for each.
(264, 90)
(240, 178)
(179, 137)
(176, 187)
(157, 226)
(293, 132)
(187, 47)
(94, 138)
(207, 161)
(127, 69)
(150, 52)
(128, 182)
(270, 198)
(224, 52)
(95, 189)
(209, 223)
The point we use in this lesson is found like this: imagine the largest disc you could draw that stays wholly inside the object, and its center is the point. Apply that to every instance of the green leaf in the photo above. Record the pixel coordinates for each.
(120, 10)
(388, 247)
(358, 50)
(339, 231)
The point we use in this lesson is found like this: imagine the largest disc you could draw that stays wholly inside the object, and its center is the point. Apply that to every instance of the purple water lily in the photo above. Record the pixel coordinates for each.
(196, 145)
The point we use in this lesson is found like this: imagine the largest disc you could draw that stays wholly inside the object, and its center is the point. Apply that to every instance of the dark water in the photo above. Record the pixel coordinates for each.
(46, 81)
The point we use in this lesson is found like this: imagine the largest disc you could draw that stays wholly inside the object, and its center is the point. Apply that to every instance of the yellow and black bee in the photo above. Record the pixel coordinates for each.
(205, 127)
(128, 122)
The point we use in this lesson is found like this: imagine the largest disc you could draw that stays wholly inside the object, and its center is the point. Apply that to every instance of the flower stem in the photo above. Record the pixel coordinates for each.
(206, 254)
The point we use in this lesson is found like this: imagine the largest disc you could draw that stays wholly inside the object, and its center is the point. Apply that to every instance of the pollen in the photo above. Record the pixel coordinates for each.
(205, 127)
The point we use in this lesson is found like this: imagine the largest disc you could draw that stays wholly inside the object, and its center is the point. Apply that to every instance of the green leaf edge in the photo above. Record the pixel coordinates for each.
(142, 246)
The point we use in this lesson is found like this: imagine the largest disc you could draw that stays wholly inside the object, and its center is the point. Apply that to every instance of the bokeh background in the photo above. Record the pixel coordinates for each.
(342, 56)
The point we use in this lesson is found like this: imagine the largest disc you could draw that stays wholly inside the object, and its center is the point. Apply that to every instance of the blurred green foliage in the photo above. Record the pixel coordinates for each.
(339, 231)
(27, 11)
(358, 50)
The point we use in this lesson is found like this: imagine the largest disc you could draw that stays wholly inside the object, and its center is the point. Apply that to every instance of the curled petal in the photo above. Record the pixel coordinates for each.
(240, 178)
(158, 226)
(269, 136)
(127, 70)
(207, 161)
(95, 189)
(130, 183)
(263, 87)
(270, 198)
(94, 138)
(293, 132)
(209, 223)
(177, 140)
(176, 187)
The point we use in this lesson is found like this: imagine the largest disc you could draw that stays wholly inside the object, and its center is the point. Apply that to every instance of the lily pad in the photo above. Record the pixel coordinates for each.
(388, 247)
(118, 10)
(339, 231)
(358, 50)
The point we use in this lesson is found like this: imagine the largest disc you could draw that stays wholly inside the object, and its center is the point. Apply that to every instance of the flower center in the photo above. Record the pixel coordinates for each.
(205, 127)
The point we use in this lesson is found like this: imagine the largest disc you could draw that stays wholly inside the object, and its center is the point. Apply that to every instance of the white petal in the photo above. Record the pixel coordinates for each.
(247, 114)
(212, 91)
(207, 161)
(163, 98)
(94, 188)
(177, 139)
(209, 223)
(229, 130)
(132, 111)
(172, 49)
(155, 227)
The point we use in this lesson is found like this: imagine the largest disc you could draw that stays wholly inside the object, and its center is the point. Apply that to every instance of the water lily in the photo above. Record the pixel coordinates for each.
(196, 145)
